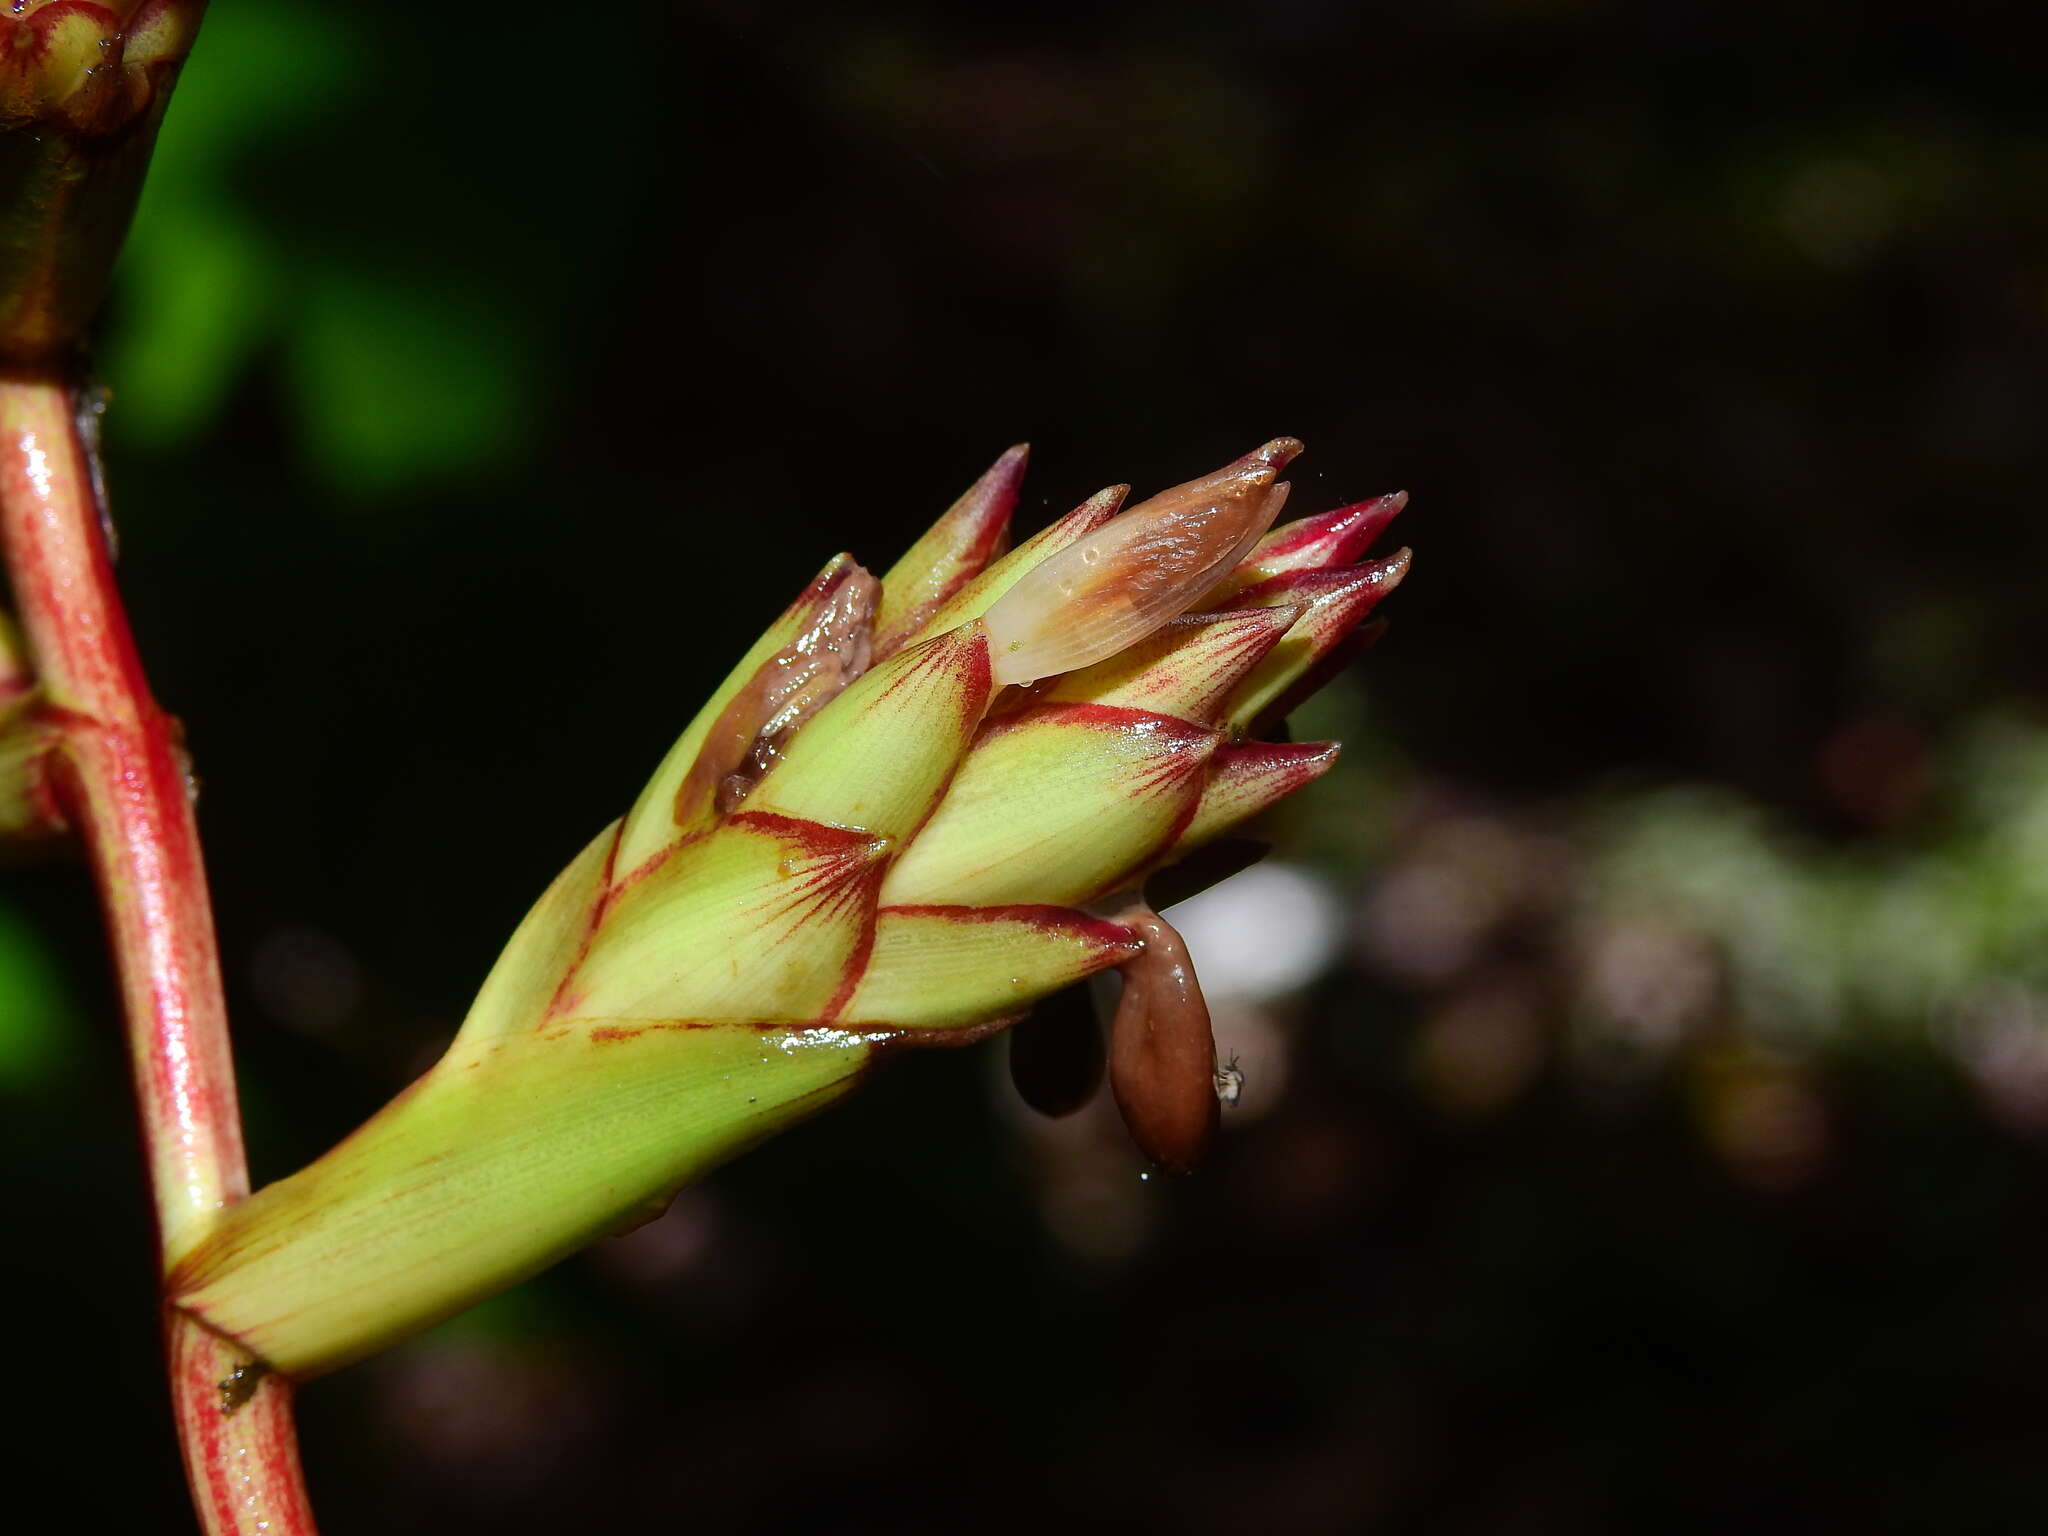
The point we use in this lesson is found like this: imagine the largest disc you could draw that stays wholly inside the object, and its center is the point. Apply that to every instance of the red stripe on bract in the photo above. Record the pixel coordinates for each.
(1105, 717)
(848, 876)
(1047, 919)
(856, 962)
(961, 655)
(816, 838)
(608, 890)
(1168, 772)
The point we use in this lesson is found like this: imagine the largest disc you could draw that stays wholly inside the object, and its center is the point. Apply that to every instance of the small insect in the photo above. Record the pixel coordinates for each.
(240, 1384)
(1229, 1082)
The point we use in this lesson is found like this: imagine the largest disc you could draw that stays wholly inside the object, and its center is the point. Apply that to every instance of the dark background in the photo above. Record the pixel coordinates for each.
(1661, 1147)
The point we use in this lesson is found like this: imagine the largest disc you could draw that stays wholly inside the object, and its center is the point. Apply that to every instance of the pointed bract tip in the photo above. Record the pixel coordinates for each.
(1006, 473)
(1325, 541)
(952, 552)
(1364, 521)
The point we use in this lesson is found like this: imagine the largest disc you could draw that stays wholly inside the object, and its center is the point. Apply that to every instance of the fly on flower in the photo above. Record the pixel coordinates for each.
(917, 807)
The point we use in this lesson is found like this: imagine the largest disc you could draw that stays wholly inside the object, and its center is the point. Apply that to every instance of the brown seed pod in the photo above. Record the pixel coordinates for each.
(1162, 1055)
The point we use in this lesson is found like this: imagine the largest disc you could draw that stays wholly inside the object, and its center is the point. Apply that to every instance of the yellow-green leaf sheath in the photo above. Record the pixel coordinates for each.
(511, 1153)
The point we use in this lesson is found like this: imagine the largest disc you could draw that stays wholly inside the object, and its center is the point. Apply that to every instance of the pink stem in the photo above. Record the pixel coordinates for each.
(121, 777)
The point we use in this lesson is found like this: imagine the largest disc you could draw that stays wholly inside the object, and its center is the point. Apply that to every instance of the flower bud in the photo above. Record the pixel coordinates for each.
(1114, 587)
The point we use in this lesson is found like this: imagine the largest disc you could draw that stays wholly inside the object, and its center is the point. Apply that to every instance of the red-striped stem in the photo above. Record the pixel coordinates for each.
(120, 778)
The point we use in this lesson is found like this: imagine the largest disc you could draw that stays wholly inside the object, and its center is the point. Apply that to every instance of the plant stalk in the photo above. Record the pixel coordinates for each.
(121, 780)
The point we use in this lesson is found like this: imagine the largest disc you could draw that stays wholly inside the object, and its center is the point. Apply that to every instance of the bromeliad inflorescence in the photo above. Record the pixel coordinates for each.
(916, 807)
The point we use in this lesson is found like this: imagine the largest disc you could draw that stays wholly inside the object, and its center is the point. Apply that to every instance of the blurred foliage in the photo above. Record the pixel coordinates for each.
(1824, 942)
(1664, 1148)
(264, 240)
(38, 1020)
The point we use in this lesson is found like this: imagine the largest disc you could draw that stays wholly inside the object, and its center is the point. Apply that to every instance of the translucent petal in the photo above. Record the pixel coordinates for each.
(1135, 573)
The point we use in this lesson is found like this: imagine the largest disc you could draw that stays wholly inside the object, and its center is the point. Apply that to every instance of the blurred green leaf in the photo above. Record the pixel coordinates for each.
(399, 382)
(36, 1014)
(401, 370)
(203, 301)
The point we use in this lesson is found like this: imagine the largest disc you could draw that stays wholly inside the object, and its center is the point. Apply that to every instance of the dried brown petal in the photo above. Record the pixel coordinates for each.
(788, 688)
